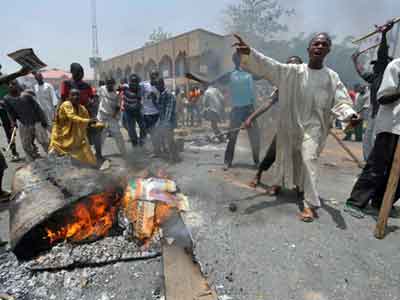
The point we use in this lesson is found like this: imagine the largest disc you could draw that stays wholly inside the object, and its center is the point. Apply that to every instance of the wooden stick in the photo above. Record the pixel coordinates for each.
(356, 41)
(389, 195)
(347, 149)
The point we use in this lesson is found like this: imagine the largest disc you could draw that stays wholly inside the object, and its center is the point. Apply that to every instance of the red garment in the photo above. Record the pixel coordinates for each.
(84, 88)
(353, 95)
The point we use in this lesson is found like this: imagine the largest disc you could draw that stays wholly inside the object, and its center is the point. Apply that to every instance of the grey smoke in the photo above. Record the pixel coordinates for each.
(339, 17)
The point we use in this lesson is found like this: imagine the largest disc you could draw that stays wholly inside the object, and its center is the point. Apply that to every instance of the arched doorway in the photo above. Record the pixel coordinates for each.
(165, 66)
(150, 66)
(180, 65)
(139, 70)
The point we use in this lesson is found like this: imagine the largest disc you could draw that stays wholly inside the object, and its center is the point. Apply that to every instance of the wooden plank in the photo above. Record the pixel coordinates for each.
(347, 149)
(389, 195)
(183, 279)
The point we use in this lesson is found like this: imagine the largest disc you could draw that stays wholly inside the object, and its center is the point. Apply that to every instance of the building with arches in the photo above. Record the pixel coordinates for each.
(198, 51)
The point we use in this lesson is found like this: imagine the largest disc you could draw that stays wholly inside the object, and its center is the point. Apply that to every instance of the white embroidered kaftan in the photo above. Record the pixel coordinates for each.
(309, 101)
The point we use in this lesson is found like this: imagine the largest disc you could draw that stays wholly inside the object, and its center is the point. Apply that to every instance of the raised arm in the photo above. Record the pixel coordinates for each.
(367, 76)
(7, 78)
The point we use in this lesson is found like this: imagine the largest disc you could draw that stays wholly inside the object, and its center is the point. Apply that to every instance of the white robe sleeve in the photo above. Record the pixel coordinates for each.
(391, 80)
(263, 66)
(343, 106)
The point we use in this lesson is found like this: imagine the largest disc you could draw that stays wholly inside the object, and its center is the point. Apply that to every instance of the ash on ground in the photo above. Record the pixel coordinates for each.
(112, 268)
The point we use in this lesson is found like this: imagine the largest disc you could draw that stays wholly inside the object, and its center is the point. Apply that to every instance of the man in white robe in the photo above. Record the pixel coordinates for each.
(46, 97)
(109, 111)
(310, 97)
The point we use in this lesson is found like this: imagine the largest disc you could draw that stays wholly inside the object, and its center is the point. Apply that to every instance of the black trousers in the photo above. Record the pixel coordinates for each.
(8, 129)
(371, 184)
(238, 116)
(269, 158)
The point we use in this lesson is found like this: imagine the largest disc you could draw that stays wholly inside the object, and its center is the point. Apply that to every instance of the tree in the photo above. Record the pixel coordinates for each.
(256, 20)
(157, 36)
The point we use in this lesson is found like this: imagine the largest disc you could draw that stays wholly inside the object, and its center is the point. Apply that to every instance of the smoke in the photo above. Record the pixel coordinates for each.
(340, 17)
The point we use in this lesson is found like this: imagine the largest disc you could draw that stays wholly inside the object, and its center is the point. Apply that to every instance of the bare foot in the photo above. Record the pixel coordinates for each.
(273, 190)
(254, 183)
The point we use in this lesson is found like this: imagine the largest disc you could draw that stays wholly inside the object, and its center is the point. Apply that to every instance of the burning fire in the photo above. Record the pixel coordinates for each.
(146, 216)
(92, 217)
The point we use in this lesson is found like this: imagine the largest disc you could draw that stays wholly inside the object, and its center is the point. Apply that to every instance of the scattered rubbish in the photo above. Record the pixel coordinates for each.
(105, 165)
(333, 201)
(233, 207)
(293, 246)
(229, 277)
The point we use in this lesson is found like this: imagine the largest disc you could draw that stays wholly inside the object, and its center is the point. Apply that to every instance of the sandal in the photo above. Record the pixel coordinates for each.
(307, 215)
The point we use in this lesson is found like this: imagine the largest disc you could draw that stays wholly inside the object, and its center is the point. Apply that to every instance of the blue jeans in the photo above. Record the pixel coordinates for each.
(238, 116)
(129, 119)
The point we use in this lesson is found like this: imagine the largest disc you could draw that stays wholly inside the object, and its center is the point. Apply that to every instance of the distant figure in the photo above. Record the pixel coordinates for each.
(132, 110)
(69, 136)
(108, 114)
(241, 88)
(33, 121)
(167, 122)
(193, 107)
(213, 108)
(150, 98)
(45, 96)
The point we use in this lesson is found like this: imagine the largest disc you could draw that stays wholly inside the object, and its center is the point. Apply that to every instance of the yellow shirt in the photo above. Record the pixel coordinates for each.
(69, 133)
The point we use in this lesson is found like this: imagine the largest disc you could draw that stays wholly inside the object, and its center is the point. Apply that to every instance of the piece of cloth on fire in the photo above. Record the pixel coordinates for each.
(109, 111)
(69, 133)
(47, 99)
(146, 204)
(309, 101)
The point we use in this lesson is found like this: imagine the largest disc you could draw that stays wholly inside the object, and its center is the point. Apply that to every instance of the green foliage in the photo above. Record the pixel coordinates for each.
(256, 20)
(158, 35)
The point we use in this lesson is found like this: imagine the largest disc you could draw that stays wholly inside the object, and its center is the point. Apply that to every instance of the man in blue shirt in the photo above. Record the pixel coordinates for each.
(241, 87)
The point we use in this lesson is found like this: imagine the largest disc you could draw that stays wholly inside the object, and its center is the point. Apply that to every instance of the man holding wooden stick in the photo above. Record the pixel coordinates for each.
(371, 184)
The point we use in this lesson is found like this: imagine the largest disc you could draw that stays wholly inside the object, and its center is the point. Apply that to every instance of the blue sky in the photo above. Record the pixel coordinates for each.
(60, 31)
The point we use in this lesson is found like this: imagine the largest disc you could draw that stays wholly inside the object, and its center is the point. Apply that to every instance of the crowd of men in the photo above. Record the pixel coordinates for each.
(309, 97)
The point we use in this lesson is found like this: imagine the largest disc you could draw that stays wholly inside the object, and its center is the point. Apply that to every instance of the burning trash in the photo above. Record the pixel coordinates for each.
(56, 202)
(147, 204)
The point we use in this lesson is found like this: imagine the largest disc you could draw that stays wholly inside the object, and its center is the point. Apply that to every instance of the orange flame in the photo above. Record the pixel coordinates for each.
(93, 217)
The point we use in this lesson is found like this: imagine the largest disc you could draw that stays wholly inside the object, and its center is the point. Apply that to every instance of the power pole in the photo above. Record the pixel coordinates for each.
(95, 60)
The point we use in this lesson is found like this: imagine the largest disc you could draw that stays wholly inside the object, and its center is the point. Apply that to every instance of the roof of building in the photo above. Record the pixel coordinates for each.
(171, 38)
(54, 74)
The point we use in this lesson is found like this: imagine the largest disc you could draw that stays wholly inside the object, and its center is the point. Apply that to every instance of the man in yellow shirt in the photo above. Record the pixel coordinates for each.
(68, 136)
